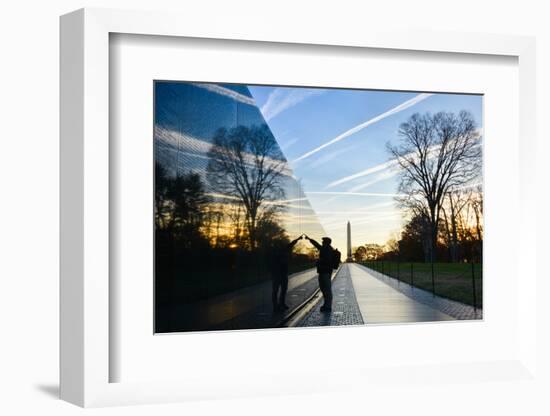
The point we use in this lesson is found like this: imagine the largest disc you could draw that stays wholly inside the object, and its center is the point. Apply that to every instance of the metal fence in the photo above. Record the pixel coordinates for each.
(462, 282)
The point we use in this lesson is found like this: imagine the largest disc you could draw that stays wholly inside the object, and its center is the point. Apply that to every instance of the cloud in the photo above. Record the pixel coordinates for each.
(226, 92)
(351, 193)
(281, 99)
(287, 203)
(289, 143)
(433, 151)
(403, 106)
(389, 218)
(337, 195)
(330, 156)
(374, 169)
(379, 178)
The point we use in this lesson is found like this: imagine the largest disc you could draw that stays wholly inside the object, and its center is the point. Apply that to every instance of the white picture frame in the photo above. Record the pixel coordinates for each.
(85, 163)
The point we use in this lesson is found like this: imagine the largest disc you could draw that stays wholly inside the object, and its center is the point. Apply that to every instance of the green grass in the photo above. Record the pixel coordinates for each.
(451, 280)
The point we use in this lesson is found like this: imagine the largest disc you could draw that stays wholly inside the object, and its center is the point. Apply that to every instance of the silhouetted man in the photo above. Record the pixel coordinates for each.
(325, 265)
(279, 274)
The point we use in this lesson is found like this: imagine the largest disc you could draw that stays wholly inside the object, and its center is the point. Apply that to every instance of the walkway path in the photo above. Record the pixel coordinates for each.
(363, 296)
(381, 303)
(453, 308)
(345, 310)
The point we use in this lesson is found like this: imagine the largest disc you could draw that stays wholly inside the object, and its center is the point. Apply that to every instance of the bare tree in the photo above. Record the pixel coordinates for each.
(162, 185)
(456, 202)
(180, 201)
(235, 215)
(436, 154)
(414, 238)
(214, 218)
(477, 206)
(246, 163)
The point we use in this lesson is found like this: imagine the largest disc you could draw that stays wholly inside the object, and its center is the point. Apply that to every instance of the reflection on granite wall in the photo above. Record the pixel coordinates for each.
(225, 201)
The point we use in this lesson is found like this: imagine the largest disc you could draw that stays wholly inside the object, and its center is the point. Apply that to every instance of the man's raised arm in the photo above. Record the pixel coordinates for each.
(293, 243)
(315, 243)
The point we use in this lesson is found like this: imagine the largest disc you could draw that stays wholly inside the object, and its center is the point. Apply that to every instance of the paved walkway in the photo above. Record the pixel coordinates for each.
(381, 303)
(453, 308)
(364, 296)
(361, 296)
(345, 310)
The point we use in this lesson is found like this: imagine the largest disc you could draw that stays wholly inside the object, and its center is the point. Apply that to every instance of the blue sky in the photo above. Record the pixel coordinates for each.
(335, 141)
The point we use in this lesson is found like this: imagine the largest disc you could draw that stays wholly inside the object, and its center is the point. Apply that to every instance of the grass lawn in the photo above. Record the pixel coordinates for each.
(451, 280)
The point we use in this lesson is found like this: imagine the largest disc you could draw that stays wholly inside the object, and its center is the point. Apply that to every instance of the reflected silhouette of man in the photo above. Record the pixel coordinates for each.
(279, 274)
(328, 257)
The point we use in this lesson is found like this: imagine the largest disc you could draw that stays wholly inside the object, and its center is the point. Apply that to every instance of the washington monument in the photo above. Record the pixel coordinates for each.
(349, 258)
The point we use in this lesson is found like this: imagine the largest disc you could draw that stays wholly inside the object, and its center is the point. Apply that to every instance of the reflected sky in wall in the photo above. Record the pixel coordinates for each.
(187, 116)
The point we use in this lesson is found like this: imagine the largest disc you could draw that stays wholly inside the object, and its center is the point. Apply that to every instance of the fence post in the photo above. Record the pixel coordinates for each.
(398, 276)
(474, 287)
(412, 274)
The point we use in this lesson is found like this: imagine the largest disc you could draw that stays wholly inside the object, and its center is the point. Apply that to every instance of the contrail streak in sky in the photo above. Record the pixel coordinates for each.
(353, 130)
(218, 89)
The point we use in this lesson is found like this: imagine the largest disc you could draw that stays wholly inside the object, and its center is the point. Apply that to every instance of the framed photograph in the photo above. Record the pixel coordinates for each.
(232, 204)
(254, 212)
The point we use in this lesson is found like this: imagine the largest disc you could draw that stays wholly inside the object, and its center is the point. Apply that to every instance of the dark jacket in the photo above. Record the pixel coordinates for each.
(280, 258)
(326, 257)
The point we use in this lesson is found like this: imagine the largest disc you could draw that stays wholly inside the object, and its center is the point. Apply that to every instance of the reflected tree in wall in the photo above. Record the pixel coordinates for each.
(180, 205)
(247, 164)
